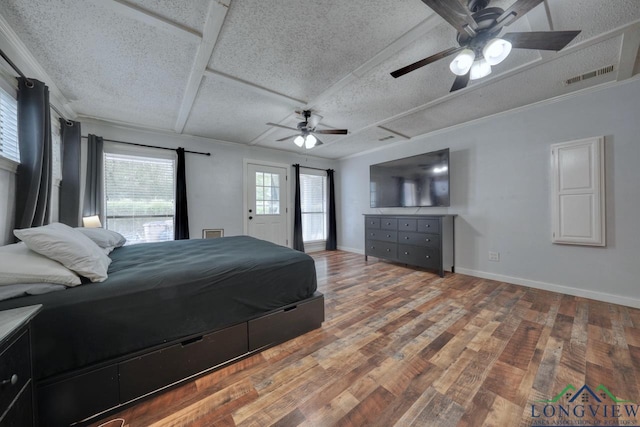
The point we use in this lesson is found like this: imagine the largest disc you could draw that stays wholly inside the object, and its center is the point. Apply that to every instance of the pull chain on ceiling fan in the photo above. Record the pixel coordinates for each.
(306, 130)
(480, 47)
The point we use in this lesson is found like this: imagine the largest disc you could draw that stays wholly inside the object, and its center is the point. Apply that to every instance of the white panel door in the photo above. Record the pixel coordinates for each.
(578, 192)
(267, 203)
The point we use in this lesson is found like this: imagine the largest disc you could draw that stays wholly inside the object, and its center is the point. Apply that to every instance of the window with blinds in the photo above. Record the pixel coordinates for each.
(140, 197)
(313, 203)
(9, 127)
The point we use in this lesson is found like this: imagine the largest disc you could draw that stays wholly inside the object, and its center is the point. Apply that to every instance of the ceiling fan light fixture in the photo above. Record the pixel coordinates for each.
(496, 51)
(462, 62)
(480, 69)
(299, 141)
(310, 141)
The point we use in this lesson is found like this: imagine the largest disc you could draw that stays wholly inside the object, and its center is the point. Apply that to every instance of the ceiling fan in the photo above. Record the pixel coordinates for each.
(478, 27)
(306, 130)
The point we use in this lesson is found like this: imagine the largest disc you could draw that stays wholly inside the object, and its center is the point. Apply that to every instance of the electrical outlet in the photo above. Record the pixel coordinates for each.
(494, 256)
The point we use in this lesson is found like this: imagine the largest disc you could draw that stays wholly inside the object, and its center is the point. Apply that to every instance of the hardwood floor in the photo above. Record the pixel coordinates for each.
(405, 347)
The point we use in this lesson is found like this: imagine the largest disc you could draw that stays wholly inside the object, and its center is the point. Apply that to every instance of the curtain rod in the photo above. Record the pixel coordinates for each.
(309, 167)
(150, 146)
(21, 74)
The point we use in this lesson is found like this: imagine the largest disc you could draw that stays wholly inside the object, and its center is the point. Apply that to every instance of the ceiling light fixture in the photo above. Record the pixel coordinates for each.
(310, 141)
(480, 69)
(496, 51)
(462, 62)
(299, 141)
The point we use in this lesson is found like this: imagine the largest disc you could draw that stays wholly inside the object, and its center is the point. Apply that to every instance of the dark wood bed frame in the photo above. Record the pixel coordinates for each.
(82, 395)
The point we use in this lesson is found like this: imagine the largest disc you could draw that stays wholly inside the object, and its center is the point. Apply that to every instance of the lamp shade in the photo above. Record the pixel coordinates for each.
(91, 221)
(480, 69)
(299, 141)
(310, 141)
(496, 51)
(462, 62)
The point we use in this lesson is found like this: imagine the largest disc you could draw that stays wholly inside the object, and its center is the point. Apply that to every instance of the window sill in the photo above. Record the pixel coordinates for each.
(8, 165)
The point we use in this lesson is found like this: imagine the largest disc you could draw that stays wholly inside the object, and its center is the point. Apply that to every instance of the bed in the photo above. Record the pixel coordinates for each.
(166, 312)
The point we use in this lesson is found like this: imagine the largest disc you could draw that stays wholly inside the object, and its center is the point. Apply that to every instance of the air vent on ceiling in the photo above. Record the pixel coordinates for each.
(386, 138)
(591, 74)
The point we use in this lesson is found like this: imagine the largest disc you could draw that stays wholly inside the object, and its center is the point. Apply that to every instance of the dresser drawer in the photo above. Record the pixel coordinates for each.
(381, 249)
(372, 222)
(407, 224)
(383, 235)
(420, 239)
(15, 369)
(21, 413)
(417, 255)
(429, 225)
(389, 223)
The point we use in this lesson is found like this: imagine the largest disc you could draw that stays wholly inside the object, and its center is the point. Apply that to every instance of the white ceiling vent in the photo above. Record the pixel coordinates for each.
(386, 138)
(591, 74)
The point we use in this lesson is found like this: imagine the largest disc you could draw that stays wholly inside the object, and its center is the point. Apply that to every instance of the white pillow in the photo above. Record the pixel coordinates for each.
(19, 264)
(69, 247)
(106, 239)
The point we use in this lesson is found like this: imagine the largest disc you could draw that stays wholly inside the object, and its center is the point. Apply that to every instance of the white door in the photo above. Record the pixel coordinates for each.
(267, 203)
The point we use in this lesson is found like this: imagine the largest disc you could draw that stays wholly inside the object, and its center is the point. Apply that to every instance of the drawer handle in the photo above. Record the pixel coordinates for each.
(13, 380)
(428, 226)
(427, 257)
(406, 253)
(406, 237)
(388, 223)
(388, 250)
(406, 225)
(373, 234)
(372, 223)
(428, 240)
(191, 341)
(373, 247)
(388, 235)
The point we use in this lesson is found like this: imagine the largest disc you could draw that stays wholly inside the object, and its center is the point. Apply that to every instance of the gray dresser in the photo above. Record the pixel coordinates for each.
(419, 240)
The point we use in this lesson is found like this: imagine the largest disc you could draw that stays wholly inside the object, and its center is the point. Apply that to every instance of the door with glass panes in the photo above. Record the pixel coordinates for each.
(267, 203)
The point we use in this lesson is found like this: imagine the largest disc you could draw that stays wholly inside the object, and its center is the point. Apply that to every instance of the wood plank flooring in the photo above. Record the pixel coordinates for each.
(405, 347)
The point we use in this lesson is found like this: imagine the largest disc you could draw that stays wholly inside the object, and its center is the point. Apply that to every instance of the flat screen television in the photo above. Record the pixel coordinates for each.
(416, 181)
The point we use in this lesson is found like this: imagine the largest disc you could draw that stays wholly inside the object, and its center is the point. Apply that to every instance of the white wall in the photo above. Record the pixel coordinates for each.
(7, 202)
(214, 184)
(500, 189)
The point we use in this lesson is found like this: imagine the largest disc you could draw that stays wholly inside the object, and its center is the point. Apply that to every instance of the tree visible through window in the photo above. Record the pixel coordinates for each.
(313, 203)
(140, 197)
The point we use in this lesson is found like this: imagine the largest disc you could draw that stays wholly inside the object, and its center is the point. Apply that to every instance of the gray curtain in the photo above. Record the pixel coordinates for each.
(69, 208)
(33, 187)
(332, 240)
(181, 229)
(298, 242)
(93, 191)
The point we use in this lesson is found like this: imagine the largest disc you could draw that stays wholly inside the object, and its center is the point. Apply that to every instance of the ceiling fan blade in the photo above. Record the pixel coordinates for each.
(288, 137)
(455, 14)
(515, 12)
(281, 126)
(426, 61)
(332, 131)
(543, 40)
(460, 82)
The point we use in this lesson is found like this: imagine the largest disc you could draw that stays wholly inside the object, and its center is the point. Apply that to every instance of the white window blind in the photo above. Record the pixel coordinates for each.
(140, 197)
(313, 206)
(9, 126)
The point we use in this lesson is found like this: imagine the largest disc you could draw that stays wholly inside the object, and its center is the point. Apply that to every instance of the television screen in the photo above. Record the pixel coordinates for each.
(417, 181)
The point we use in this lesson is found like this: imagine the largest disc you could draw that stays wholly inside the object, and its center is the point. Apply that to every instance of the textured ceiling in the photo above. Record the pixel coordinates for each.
(223, 68)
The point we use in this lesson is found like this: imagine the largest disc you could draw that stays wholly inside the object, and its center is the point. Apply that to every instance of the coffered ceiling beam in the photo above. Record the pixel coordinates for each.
(133, 11)
(629, 52)
(216, 15)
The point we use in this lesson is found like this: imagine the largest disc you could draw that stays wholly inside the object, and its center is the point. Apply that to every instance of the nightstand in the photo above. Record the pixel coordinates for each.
(16, 384)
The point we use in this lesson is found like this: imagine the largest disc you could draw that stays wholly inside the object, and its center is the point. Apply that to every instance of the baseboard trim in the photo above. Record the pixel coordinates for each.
(354, 250)
(599, 296)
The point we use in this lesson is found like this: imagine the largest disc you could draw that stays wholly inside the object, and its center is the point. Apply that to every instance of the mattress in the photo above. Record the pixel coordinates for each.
(160, 292)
